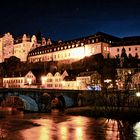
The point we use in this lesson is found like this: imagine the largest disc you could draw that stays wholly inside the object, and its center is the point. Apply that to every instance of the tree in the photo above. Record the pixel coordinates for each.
(123, 59)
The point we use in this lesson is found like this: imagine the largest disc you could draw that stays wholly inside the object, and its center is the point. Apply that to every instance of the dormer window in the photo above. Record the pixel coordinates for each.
(77, 45)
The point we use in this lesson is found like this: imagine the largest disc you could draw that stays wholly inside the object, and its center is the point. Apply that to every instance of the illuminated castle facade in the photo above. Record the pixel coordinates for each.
(19, 47)
(28, 49)
(77, 49)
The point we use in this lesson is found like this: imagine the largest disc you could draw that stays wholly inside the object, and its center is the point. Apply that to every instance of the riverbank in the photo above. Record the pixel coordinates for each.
(123, 113)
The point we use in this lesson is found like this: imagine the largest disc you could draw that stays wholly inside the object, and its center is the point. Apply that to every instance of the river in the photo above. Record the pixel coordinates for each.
(58, 126)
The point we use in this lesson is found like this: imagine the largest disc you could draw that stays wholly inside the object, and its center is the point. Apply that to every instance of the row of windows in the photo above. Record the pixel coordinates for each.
(14, 86)
(70, 85)
(128, 49)
(69, 46)
(13, 81)
(50, 57)
(83, 79)
(129, 55)
(30, 76)
(58, 85)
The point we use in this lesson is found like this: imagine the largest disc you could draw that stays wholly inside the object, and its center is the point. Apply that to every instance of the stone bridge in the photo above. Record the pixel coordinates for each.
(40, 100)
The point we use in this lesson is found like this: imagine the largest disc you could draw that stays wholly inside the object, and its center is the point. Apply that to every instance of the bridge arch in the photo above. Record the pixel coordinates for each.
(29, 103)
(62, 101)
(21, 101)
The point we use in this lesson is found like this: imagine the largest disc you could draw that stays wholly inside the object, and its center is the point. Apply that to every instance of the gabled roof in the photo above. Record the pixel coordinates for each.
(87, 73)
(16, 74)
(70, 78)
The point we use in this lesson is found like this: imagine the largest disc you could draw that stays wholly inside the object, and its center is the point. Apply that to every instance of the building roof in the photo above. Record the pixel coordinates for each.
(58, 46)
(16, 74)
(87, 73)
(18, 39)
(127, 41)
(70, 78)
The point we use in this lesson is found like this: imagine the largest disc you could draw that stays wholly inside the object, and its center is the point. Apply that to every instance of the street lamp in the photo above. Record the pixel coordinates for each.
(138, 94)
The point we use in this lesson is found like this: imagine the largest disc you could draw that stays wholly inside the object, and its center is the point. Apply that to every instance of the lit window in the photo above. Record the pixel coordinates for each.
(92, 40)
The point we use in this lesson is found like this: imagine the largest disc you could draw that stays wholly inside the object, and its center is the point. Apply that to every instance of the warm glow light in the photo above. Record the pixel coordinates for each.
(137, 130)
(45, 133)
(29, 80)
(138, 94)
(63, 83)
(107, 80)
(63, 132)
(79, 133)
(43, 79)
(79, 53)
(112, 130)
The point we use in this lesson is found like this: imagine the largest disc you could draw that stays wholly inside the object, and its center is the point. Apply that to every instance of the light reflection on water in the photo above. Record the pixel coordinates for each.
(57, 126)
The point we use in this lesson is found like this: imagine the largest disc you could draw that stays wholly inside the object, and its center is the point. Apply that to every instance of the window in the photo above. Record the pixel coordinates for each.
(129, 49)
(135, 49)
(117, 50)
(92, 40)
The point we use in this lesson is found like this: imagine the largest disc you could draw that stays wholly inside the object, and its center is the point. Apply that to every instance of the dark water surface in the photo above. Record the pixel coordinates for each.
(58, 126)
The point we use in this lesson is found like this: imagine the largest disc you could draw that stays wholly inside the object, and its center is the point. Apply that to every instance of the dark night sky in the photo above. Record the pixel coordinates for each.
(69, 19)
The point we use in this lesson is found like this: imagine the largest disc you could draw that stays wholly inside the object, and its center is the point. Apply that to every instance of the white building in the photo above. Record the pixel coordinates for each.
(79, 48)
(19, 80)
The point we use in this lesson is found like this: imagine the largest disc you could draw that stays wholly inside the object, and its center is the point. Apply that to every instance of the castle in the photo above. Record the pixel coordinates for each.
(28, 49)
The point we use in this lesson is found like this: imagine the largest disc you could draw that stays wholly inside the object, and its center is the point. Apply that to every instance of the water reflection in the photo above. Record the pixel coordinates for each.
(57, 126)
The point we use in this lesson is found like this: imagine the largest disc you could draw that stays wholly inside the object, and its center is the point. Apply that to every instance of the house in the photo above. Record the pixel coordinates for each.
(89, 80)
(19, 80)
(53, 81)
